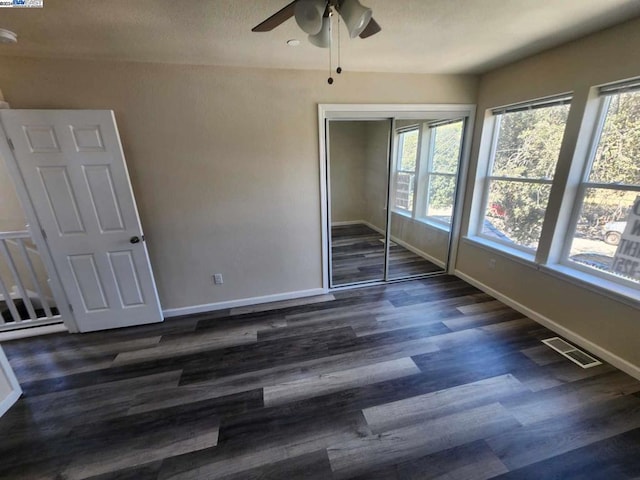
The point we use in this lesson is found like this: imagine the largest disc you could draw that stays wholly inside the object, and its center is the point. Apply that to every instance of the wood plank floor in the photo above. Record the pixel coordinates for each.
(428, 379)
(357, 255)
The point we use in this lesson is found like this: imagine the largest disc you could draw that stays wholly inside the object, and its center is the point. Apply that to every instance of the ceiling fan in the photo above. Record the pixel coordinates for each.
(314, 17)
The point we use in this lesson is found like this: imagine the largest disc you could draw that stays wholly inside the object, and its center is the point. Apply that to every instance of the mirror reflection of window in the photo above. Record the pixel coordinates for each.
(405, 179)
(443, 171)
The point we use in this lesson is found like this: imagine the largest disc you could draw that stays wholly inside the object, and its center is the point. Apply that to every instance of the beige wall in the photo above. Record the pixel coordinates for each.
(11, 215)
(347, 166)
(224, 161)
(608, 56)
(377, 172)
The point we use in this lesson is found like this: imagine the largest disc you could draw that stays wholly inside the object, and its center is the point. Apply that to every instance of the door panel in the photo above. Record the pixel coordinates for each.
(358, 182)
(75, 172)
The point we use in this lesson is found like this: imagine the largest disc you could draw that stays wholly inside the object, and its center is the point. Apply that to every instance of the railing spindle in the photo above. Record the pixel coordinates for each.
(34, 277)
(19, 285)
(9, 301)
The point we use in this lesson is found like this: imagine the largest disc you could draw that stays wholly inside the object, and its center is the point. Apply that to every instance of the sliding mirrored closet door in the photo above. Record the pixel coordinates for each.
(392, 193)
(424, 180)
(359, 182)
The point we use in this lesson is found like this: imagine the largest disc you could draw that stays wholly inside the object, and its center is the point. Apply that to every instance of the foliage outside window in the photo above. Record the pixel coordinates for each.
(425, 179)
(526, 146)
(608, 192)
(443, 171)
(405, 178)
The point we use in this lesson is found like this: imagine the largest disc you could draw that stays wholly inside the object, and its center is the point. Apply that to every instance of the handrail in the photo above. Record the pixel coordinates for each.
(17, 234)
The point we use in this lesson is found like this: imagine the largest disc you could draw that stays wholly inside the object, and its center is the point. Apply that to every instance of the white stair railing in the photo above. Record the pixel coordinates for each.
(24, 298)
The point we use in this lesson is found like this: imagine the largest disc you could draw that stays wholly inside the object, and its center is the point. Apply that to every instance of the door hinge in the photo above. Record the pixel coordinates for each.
(44, 234)
(71, 307)
(10, 144)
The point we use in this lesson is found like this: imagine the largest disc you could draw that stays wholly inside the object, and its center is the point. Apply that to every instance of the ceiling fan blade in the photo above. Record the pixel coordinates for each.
(370, 29)
(276, 19)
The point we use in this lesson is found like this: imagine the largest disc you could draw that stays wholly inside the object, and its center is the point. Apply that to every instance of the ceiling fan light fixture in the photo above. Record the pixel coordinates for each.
(309, 15)
(356, 16)
(323, 38)
(7, 36)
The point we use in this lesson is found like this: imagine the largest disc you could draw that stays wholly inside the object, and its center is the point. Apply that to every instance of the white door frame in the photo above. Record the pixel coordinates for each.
(35, 229)
(354, 111)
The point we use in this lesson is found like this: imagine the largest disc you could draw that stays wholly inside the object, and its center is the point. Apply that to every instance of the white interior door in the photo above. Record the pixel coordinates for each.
(75, 173)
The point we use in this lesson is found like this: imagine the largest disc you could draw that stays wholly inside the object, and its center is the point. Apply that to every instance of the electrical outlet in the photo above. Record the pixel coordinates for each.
(217, 279)
(492, 264)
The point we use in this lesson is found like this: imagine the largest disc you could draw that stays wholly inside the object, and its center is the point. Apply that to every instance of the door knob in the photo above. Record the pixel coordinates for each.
(135, 240)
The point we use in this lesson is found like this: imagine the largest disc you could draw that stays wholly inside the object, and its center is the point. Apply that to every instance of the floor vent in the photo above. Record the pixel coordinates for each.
(572, 353)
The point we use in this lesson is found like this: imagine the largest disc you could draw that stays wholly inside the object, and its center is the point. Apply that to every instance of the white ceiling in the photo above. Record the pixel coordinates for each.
(421, 36)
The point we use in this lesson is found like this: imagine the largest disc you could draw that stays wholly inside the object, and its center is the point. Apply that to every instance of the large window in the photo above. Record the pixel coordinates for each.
(405, 178)
(426, 173)
(524, 154)
(606, 235)
(442, 170)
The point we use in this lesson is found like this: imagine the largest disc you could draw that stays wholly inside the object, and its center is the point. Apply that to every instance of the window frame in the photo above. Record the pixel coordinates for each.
(605, 95)
(409, 212)
(424, 171)
(496, 116)
(431, 172)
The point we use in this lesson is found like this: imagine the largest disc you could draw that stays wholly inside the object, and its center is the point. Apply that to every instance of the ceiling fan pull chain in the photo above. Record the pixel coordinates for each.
(339, 69)
(330, 79)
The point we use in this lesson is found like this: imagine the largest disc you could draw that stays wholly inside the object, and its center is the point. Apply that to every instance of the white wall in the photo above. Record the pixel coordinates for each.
(604, 57)
(224, 161)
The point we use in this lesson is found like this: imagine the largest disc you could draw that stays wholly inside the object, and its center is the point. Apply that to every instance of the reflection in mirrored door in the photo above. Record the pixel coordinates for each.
(358, 153)
(391, 190)
(424, 174)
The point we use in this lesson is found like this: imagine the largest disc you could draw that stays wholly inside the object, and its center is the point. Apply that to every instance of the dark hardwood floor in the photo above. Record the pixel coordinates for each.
(357, 255)
(428, 379)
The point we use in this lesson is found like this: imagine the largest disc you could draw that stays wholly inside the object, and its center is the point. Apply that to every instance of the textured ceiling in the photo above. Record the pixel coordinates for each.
(421, 36)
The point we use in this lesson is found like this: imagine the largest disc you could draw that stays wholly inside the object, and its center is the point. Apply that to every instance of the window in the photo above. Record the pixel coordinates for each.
(524, 154)
(426, 174)
(442, 174)
(405, 178)
(606, 234)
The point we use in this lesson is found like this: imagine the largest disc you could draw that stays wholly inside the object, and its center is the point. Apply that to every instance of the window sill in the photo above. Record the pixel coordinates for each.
(402, 213)
(607, 288)
(445, 228)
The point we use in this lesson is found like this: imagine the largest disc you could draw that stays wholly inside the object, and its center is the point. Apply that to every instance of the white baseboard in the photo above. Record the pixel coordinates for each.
(242, 302)
(372, 227)
(347, 222)
(418, 252)
(406, 245)
(588, 345)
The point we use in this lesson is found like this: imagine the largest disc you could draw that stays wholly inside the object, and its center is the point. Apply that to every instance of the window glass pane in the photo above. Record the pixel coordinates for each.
(446, 147)
(441, 196)
(408, 151)
(405, 183)
(406, 170)
(529, 142)
(617, 158)
(598, 235)
(515, 212)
